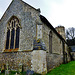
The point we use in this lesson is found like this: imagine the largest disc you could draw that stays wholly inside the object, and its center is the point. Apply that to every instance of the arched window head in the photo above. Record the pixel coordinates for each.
(50, 33)
(13, 23)
(13, 31)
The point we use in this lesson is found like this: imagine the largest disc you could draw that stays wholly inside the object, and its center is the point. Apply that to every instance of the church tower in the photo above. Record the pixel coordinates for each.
(61, 31)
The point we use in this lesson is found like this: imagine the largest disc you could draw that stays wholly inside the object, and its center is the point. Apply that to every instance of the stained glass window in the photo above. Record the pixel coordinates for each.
(17, 38)
(12, 39)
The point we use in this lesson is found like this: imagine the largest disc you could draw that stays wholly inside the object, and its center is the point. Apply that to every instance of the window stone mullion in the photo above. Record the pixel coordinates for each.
(5, 40)
(10, 38)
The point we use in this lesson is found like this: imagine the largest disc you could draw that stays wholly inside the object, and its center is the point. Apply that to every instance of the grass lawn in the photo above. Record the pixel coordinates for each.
(64, 69)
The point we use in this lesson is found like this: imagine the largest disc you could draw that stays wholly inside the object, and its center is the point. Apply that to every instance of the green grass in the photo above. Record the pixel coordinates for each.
(64, 69)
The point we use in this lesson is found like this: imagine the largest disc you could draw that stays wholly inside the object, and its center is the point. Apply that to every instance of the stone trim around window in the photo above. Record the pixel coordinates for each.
(12, 35)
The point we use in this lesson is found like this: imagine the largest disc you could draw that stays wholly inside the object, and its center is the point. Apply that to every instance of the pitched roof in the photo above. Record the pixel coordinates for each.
(45, 21)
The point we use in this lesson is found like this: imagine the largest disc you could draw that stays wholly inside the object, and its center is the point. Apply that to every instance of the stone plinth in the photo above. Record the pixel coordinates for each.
(39, 61)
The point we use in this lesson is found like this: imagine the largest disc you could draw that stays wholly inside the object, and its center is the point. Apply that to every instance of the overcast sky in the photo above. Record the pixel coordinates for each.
(58, 12)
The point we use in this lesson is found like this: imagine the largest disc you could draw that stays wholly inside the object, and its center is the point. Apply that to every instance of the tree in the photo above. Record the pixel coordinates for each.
(70, 33)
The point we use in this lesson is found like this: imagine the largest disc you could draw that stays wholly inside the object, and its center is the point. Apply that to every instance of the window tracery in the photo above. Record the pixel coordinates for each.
(13, 31)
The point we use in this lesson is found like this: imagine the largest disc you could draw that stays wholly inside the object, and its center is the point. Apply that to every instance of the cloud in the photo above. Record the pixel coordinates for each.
(63, 14)
(1, 14)
(56, 11)
(3, 6)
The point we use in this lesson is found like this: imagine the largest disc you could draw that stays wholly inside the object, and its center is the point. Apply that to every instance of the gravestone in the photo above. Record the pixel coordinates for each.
(29, 72)
(3, 68)
(7, 71)
(20, 67)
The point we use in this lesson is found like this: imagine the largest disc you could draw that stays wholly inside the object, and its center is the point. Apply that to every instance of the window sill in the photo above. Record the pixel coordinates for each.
(11, 50)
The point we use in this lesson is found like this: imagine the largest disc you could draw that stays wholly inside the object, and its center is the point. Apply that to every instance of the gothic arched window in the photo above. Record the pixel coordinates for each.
(13, 31)
(50, 41)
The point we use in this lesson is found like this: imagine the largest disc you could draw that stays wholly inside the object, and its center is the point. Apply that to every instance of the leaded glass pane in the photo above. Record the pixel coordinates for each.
(12, 39)
(17, 38)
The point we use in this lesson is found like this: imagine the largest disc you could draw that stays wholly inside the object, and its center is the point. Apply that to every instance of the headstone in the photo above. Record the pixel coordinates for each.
(7, 71)
(20, 67)
(29, 72)
(3, 68)
(16, 74)
(7, 66)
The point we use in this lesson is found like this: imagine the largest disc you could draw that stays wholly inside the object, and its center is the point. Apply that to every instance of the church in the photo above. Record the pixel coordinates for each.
(27, 38)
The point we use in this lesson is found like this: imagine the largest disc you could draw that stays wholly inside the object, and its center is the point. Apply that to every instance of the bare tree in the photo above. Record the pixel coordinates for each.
(70, 33)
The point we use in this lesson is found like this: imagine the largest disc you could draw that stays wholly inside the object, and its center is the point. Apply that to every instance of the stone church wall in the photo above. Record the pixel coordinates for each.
(53, 60)
(56, 44)
(15, 58)
(45, 36)
(56, 41)
(67, 53)
(56, 57)
(73, 55)
(28, 18)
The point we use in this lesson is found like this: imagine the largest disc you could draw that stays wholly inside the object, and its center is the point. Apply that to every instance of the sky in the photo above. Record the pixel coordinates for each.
(58, 12)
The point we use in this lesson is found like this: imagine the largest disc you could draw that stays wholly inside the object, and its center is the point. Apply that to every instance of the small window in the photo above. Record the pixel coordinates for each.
(50, 42)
